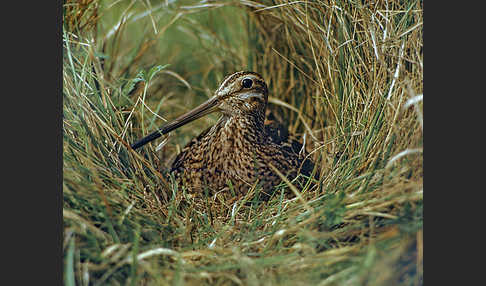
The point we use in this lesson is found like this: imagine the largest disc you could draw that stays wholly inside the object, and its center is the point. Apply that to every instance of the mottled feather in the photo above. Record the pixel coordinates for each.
(239, 148)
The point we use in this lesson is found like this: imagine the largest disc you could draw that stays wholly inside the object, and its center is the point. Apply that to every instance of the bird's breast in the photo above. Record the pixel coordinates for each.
(227, 151)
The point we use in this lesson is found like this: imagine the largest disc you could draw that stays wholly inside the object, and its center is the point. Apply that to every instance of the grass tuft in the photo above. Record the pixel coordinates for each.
(345, 75)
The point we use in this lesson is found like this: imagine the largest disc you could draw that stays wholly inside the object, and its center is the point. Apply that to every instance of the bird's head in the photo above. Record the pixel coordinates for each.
(241, 94)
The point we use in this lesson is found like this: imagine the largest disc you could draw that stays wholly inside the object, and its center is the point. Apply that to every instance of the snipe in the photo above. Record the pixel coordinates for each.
(239, 147)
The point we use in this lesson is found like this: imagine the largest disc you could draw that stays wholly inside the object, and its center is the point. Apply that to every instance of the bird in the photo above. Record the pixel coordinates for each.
(239, 150)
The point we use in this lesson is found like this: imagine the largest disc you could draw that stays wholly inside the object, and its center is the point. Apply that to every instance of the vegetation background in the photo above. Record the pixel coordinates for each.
(346, 76)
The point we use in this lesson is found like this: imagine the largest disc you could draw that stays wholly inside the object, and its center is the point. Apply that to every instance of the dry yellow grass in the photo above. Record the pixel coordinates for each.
(346, 76)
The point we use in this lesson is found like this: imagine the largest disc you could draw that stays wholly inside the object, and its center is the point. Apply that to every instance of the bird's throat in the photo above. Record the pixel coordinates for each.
(242, 129)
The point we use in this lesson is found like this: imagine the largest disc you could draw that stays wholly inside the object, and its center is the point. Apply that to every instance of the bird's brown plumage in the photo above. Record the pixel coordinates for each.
(239, 148)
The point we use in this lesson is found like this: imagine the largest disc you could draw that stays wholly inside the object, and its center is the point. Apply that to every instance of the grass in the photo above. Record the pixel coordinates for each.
(345, 75)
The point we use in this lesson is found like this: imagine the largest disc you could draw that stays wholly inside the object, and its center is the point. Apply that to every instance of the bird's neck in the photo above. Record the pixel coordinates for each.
(242, 127)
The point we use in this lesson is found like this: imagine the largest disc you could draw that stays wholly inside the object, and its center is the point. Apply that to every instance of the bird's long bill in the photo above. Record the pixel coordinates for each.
(206, 108)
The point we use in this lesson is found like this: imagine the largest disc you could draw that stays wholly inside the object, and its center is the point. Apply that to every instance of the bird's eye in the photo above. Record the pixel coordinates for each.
(247, 83)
